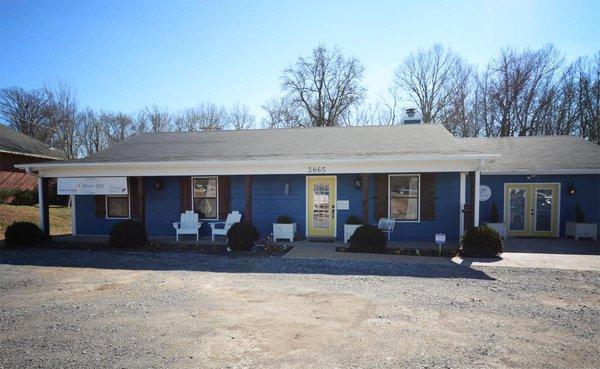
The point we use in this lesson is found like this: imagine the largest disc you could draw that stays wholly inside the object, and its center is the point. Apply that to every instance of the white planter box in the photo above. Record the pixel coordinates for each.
(285, 231)
(349, 231)
(582, 230)
(498, 227)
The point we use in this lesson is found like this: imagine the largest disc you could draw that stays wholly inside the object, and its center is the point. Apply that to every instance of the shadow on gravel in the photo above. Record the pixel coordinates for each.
(190, 261)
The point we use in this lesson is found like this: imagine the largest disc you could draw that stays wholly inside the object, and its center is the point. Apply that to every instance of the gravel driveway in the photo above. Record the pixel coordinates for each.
(75, 309)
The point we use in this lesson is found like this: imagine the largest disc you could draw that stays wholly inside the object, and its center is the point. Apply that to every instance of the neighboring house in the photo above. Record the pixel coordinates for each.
(418, 174)
(18, 148)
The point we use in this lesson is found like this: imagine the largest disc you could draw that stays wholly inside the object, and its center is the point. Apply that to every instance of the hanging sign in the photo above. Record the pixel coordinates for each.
(484, 193)
(92, 186)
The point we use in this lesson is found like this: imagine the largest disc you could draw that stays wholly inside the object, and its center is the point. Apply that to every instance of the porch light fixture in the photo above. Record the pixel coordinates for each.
(286, 188)
(357, 183)
(158, 185)
(571, 190)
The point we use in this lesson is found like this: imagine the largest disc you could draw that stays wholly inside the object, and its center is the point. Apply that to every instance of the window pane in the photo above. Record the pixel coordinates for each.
(205, 187)
(118, 206)
(404, 186)
(404, 208)
(206, 208)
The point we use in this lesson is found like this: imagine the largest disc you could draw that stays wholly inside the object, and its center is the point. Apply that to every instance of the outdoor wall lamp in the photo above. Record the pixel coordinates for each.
(571, 190)
(158, 185)
(357, 183)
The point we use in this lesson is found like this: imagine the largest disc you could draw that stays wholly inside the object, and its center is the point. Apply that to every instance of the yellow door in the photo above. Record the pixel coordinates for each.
(320, 206)
(531, 209)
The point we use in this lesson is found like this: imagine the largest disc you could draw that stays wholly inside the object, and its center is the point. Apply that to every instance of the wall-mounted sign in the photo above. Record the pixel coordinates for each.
(343, 204)
(484, 193)
(92, 186)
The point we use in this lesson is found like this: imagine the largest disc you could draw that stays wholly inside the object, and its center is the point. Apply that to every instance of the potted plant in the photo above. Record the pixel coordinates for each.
(284, 228)
(579, 228)
(495, 223)
(352, 223)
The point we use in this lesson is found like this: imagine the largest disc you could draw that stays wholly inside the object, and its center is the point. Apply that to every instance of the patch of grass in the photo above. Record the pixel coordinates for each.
(60, 217)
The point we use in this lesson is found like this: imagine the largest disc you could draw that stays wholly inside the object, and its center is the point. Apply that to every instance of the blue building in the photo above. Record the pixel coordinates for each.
(420, 175)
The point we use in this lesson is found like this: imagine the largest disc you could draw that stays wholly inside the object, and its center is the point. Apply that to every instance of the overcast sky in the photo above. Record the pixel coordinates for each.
(123, 55)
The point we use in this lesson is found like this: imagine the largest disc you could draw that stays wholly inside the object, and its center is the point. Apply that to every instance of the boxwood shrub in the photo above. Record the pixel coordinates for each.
(481, 242)
(368, 238)
(353, 219)
(21, 234)
(241, 236)
(284, 219)
(128, 234)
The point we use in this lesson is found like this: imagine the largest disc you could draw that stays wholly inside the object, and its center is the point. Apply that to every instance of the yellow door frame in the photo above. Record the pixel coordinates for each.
(530, 210)
(332, 230)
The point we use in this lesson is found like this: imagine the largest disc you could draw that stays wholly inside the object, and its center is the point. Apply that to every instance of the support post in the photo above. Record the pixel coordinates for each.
(44, 207)
(140, 199)
(462, 201)
(476, 199)
(73, 216)
(364, 185)
(248, 193)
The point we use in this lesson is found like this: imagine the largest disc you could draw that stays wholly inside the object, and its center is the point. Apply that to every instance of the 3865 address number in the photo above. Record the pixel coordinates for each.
(317, 169)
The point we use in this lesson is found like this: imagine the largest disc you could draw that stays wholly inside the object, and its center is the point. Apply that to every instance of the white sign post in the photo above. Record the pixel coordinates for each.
(440, 239)
(92, 186)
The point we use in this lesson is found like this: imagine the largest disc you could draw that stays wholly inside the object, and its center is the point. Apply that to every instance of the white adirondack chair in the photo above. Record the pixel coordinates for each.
(188, 224)
(232, 218)
(386, 225)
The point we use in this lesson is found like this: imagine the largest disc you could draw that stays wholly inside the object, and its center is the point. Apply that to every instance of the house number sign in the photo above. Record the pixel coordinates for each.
(312, 170)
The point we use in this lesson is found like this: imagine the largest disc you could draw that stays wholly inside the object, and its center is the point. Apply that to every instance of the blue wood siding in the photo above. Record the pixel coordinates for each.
(587, 195)
(87, 222)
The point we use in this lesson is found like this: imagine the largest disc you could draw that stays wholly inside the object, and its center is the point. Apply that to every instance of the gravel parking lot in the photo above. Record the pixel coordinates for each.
(75, 309)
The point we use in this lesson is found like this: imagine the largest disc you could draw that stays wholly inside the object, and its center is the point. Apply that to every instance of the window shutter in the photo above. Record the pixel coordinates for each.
(428, 196)
(100, 201)
(136, 196)
(381, 196)
(224, 196)
(185, 193)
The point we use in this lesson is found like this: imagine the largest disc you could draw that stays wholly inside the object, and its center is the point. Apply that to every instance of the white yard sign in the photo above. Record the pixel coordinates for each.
(92, 186)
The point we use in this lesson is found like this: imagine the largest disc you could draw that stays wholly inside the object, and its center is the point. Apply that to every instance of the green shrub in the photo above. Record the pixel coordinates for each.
(284, 219)
(23, 234)
(25, 197)
(241, 236)
(353, 219)
(6, 195)
(481, 242)
(368, 238)
(128, 234)
(494, 217)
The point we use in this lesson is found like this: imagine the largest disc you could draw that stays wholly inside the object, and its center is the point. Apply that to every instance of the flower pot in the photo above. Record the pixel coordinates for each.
(284, 231)
(498, 227)
(349, 231)
(582, 230)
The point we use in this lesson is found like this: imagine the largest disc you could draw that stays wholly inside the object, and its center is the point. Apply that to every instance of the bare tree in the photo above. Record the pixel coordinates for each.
(458, 114)
(283, 113)
(154, 119)
(325, 85)
(61, 113)
(239, 117)
(427, 78)
(25, 111)
(92, 132)
(204, 117)
(588, 97)
(118, 126)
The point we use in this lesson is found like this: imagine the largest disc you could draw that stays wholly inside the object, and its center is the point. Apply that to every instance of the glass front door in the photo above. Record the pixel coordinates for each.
(320, 205)
(531, 209)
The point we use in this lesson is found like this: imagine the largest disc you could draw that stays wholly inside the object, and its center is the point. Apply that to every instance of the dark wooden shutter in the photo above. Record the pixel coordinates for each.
(100, 201)
(136, 195)
(185, 193)
(224, 196)
(381, 196)
(428, 196)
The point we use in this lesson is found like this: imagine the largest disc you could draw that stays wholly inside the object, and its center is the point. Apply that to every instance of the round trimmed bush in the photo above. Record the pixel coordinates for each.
(353, 219)
(23, 234)
(284, 219)
(368, 238)
(128, 234)
(481, 242)
(241, 236)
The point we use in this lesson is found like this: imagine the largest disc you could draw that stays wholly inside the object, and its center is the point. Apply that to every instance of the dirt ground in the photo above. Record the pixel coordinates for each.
(74, 309)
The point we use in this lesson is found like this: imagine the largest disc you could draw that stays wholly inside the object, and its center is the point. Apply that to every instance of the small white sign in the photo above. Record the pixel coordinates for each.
(484, 193)
(92, 186)
(440, 238)
(343, 204)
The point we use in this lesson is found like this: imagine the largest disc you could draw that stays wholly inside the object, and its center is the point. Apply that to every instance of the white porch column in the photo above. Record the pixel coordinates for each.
(463, 196)
(41, 203)
(73, 216)
(476, 199)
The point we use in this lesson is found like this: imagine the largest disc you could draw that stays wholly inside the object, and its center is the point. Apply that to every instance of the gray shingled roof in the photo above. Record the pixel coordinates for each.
(538, 154)
(16, 142)
(400, 141)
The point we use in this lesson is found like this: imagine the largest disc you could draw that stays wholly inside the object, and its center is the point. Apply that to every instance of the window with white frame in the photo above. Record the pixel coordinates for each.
(204, 197)
(117, 206)
(404, 192)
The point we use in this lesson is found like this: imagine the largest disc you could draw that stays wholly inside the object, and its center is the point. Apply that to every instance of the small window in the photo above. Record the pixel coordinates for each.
(117, 206)
(204, 194)
(404, 197)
